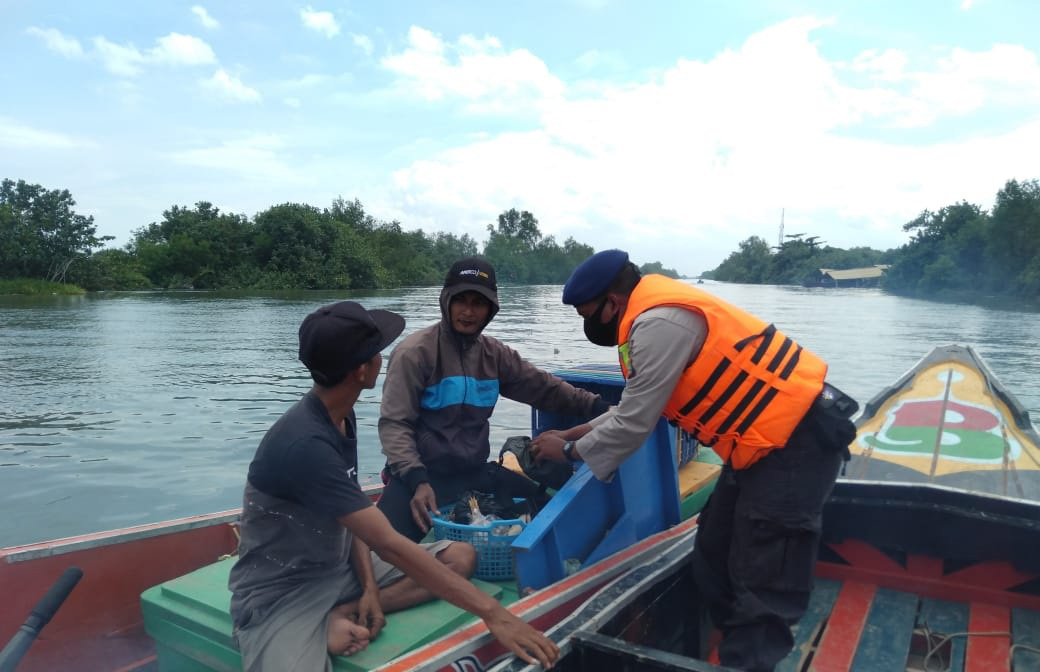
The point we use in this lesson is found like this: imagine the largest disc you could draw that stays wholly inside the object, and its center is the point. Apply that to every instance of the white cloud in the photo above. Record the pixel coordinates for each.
(119, 59)
(14, 135)
(888, 65)
(177, 49)
(307, 81)
(363, 42)
(253, 157)
(477, 70)
(292, 102)
(69, 47)
(957, 83)
(595, 59)
(204, 17)
(231, 87)
(319, 21)
(173, 49)
(684, 165)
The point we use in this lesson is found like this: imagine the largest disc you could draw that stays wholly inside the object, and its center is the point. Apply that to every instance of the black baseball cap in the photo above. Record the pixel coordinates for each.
(337, 338)
(473, 274)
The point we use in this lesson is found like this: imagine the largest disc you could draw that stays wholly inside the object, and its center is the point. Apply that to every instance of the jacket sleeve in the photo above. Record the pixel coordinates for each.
(399, 415)
(521, 381)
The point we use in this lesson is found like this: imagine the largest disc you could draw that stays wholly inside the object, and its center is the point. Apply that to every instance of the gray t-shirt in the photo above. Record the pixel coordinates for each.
(302, 479)
(663, 341)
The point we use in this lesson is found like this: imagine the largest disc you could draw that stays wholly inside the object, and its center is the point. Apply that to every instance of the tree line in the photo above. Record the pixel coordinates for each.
(287, 246)
(959, 251)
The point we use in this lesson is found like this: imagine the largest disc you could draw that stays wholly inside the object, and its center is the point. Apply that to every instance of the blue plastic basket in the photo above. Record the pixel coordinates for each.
(494, 551)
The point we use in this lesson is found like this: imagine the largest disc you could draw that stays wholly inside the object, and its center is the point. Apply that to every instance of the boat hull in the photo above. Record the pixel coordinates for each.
(948, 421)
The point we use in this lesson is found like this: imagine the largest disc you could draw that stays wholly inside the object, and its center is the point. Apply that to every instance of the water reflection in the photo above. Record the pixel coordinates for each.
(125, 408)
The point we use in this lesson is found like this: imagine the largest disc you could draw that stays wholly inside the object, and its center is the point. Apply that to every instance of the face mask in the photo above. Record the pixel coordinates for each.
(599, 333)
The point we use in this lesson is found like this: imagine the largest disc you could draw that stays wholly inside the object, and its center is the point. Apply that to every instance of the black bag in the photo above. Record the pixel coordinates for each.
(503, 508)
(548, 474)
(830, 417)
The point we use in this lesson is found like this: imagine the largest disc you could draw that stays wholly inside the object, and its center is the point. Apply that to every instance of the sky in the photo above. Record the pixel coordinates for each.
(673, 130)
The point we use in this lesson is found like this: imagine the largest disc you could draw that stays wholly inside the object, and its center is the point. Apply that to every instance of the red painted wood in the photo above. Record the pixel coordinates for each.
(844, 627)
(942, 588)
(100, 623)
(713, 647)
(985, 653)
(861, 554)
(996, 575)
(924, 566)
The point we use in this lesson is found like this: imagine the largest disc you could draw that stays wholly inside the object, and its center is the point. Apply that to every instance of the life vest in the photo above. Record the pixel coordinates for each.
(749, 386)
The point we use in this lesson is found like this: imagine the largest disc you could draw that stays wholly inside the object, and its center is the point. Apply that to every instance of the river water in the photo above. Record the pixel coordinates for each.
(119, 409)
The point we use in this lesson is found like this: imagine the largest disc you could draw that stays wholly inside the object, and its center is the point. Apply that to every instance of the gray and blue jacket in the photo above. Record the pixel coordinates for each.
(441, 388)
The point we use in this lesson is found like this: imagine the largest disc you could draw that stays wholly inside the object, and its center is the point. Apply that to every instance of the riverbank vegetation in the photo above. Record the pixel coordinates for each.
(959, 252)
(288, 246)
(37, 287)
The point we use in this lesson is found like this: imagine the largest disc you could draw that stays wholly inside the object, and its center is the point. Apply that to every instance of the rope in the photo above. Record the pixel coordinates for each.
(936, 642)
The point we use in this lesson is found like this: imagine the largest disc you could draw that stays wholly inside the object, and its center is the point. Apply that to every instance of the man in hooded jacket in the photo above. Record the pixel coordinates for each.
(440, 389)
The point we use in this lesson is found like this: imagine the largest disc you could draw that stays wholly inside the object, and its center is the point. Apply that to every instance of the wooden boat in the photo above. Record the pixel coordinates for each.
(181, 568)
(949, 421)
(929, 559)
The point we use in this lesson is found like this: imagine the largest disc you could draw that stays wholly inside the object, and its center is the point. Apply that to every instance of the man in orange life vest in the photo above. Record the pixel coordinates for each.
(759, 400)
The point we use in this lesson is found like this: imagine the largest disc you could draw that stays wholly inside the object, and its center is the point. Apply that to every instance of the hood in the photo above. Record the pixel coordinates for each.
(448, 293)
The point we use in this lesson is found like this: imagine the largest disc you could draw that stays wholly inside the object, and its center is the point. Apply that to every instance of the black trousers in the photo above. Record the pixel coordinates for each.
(758, 537)
(491, 477)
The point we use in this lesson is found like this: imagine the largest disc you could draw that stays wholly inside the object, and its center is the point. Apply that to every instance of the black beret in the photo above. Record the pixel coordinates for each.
(592, 277)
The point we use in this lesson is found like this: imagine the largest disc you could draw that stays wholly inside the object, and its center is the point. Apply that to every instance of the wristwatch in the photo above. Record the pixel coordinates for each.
(568, 452)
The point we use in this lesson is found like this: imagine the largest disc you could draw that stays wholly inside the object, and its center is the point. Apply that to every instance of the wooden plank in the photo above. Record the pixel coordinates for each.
(820, 604)
(1025, 631)
(885, 641)
(987, 653)
(844, 628)
(942, 617)
(695, 475)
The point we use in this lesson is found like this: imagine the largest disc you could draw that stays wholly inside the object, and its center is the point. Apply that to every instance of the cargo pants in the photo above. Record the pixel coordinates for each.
(758, 537)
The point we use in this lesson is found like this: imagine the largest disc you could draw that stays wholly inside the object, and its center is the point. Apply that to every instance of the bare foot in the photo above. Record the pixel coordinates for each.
(345, 636)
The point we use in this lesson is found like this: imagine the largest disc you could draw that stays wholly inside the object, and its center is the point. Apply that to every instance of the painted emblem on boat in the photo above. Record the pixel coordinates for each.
(961, 430)
(949, 417)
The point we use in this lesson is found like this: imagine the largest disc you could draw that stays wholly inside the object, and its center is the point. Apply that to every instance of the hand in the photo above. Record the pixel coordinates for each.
(370, 613)
(548, 446)
(423, 501)
(523, 640)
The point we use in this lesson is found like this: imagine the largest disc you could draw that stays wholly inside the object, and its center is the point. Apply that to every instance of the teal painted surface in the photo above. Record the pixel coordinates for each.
(1025, 631)
(884, 644)
(824, 594)
(945, 618)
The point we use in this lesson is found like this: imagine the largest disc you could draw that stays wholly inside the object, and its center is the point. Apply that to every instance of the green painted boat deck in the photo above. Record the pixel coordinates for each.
(189, 619)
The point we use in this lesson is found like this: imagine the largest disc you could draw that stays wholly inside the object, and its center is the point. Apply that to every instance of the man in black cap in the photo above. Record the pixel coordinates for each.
(759, 400)
(306, 584)
(441, 386)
